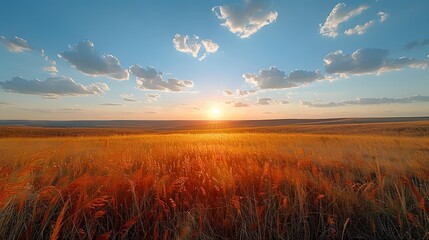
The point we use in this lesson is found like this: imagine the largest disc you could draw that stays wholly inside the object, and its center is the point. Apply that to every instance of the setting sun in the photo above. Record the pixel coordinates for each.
(215, 113)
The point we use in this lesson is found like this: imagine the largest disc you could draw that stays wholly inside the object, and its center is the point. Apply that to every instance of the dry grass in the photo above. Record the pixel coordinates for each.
(215, 186)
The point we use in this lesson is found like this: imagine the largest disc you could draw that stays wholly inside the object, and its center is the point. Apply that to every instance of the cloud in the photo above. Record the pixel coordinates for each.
(367, 60)
(5, 103)
(244, 93)
(415, 44)
(383, 16)
(265, 101)
(239, 93)
(192, 46)
(370, 101)
(51, 69)
(128, 97)
(151, 97)
(85, 58)
(228, 92)
(240, 104)
(15, 44)
(53, 86)
(151, 79)
(359, 29)
(273, 78)
(184, 44)
(339, 14)
(111, 104)
(247, 18)
(270, 101)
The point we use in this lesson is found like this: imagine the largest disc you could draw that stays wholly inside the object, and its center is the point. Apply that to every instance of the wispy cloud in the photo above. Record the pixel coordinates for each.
(85, 58)
(274, 78)
(193, 45)
(239, 93)
(56, 86)
(111, 104)
(339, 14)
(152, 97)
(368, 60)
(369, 101)
(360, 29)
(128, 97)
(15, 44)
(416, 44)
(247, 18)
(151, 79)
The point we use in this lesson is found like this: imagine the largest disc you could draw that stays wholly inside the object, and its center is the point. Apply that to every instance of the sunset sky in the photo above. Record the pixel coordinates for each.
(253, 59)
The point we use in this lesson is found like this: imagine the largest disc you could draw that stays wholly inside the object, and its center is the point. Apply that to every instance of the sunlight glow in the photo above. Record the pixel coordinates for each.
(215, 113)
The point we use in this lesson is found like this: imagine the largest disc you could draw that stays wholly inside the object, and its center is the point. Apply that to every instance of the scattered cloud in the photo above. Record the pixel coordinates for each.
(370, 101)
(85, 58)
(270, 101)
(152, 97)
(51, 69)
(240, 104)
(239, 93)
(415, 44)
(193, 45)
(184, 44)
(15, 44)
(273, 78)
(53, 86)
(368, 60)
(228, 92)
(339, 14)
(111, 104)
(244, 93)
(359, 29)
(265, 101)
(5, 103)
(151, 79)
(383, 16)
(247, 18)
(128, 98)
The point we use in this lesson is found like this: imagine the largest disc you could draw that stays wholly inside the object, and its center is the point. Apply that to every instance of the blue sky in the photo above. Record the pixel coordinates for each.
(198, 59)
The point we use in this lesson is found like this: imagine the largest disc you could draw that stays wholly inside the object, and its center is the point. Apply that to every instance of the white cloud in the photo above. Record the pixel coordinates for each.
(53, 86)
(368, 60)
(192, 46)
(51, 69)
(273, 78)
(383, 16)
(240, 104)
(228, 92)
(265, 101)
(339, 14)
(85, 58)
(185, 44)
(108, 104)
(15, 44)
(370, 101)
(128, 97)
(151, 79)
(359, 29)
(247, 18)
(152, 97)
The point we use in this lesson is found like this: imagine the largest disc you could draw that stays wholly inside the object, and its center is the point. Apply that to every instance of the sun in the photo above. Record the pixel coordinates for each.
(215, 113)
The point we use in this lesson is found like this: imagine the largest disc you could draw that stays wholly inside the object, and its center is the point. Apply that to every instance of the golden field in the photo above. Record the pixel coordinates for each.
(216, 185)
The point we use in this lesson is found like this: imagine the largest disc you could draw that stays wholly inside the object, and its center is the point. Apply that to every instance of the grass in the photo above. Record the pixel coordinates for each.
(215, 186)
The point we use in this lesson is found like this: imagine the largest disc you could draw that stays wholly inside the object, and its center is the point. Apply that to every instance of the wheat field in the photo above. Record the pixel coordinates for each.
(215, 186)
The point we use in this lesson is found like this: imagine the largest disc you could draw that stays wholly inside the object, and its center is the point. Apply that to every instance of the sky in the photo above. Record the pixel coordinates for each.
(242, 59)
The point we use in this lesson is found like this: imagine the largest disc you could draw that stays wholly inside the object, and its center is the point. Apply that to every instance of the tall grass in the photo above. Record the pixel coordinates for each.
(215, 186)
